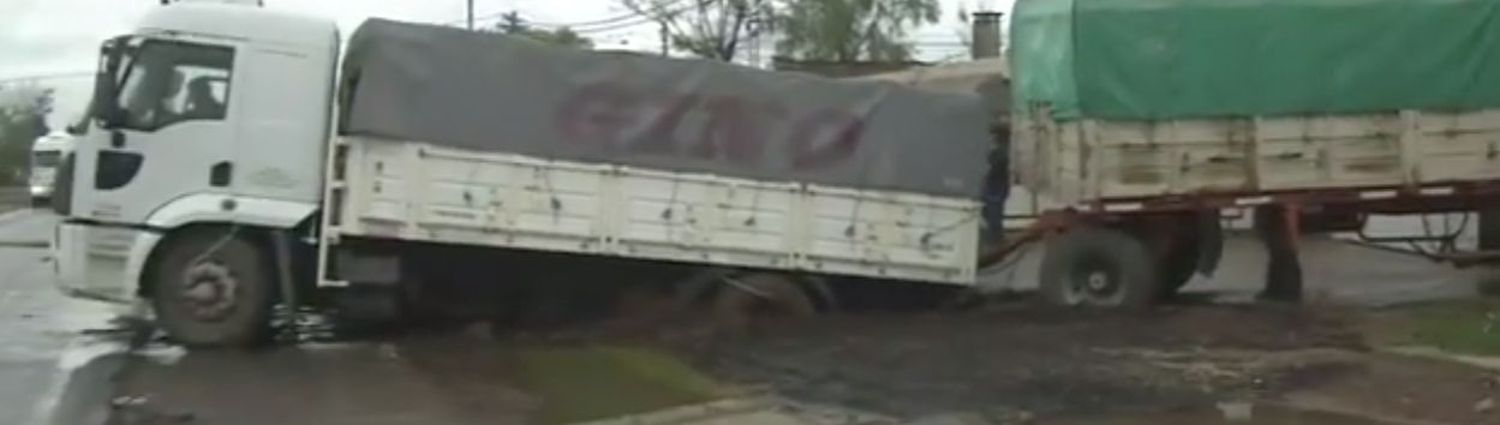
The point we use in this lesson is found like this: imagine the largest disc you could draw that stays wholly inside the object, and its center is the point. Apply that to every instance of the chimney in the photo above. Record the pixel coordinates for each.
(986, 42)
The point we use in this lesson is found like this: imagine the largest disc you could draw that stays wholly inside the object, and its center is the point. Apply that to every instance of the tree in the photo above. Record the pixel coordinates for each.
(851, 30)
(23, 118)
(710, 29)
(512, 24)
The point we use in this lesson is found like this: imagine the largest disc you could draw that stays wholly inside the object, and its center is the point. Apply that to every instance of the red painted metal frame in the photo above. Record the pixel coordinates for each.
(1379, 199)
(1437, 198)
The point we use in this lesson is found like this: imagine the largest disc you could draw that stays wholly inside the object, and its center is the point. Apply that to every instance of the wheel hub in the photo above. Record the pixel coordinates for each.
(209, 288)
(1098, 281)
(1094, 284)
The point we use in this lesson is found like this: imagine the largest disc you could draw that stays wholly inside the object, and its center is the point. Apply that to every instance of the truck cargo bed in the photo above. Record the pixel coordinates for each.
(417, 191)
(1088, 161)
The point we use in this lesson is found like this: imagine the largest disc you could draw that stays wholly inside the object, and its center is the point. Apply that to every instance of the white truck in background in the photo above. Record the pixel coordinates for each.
(46, 154)
(229, 166)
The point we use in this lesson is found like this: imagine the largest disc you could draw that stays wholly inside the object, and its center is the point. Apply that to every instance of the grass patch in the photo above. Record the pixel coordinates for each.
(1471, 327)
(580, 384)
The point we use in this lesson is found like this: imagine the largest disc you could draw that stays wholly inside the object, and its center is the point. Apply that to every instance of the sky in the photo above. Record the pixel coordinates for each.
(54, 43)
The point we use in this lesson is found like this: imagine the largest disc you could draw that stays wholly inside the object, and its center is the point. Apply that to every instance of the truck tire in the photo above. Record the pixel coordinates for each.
(1489, 229)
(213, 289)
(748, 297)
(1097, 267)
(1177, 264)
(1489, 240)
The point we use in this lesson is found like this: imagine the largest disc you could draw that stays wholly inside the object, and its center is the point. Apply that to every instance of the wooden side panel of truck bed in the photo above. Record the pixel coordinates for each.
(1087, 161)
(417, 191)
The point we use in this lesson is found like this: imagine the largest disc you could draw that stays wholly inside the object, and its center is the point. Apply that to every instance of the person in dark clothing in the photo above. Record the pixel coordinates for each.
(201, 102)
(994, 93)
(1278, 229)
(996, 187)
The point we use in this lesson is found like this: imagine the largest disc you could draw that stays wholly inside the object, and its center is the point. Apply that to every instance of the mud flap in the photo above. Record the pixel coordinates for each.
(1489, 229)
(1210, 242)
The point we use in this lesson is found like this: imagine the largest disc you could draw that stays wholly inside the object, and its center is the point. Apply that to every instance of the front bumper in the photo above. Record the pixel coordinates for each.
(102, 263)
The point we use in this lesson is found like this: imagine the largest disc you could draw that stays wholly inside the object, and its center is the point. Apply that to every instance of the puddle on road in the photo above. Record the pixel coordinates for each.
(1257, 415)
(579, 384)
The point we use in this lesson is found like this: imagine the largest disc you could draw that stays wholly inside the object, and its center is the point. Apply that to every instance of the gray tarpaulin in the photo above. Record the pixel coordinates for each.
(489, 92)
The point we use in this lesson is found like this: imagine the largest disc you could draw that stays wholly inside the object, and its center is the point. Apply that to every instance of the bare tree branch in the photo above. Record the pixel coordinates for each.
(849, 30)
(714, 29)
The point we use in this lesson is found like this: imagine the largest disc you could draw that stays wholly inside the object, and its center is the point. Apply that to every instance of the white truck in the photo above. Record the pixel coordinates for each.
(46, 155)
(230, 165)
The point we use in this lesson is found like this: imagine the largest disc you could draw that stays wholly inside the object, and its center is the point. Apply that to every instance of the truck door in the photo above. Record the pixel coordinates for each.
(167, 133)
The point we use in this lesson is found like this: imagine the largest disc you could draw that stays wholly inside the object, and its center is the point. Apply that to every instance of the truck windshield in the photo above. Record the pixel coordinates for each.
(166, 82)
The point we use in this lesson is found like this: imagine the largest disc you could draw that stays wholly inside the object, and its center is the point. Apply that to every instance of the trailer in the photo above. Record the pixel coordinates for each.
(1143, 123)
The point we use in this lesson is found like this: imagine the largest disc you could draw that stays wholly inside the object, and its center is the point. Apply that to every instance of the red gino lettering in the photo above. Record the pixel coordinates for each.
(731, 129)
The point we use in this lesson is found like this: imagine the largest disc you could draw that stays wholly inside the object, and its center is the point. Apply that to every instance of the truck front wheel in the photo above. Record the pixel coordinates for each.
(213, 289)
(1098, 267)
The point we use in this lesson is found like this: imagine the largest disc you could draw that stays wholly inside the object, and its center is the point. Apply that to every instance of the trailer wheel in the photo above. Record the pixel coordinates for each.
(1489, 240)
(1098, 267)
(1178, 263)
(1489, 229)
(743, 299)
(213, 289)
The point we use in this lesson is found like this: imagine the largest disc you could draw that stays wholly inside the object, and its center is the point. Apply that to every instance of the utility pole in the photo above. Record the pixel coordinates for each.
(471, 15)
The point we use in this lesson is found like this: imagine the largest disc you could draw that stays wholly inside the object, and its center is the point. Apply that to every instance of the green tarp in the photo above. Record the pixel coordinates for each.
(1169, 59)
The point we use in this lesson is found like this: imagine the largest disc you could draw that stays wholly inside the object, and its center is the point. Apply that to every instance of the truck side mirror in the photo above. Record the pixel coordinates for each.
(102, 106)
(112, 117)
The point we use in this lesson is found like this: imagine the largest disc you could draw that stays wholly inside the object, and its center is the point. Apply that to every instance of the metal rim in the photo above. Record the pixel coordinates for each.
(1094, 281)
(210, 290)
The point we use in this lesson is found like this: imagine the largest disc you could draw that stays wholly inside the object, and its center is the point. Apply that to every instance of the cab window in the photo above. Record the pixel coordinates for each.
(169, 82)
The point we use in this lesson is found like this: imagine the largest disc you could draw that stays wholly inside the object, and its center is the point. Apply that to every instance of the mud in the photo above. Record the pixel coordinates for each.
(1008, 363)
(1226, 414)
(1033, 360)
(1411, 390)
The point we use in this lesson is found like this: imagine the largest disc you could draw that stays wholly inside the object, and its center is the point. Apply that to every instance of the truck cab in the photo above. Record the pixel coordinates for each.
(207, 117)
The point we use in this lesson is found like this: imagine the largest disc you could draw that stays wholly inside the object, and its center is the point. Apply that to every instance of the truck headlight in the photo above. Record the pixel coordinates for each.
(39, 190)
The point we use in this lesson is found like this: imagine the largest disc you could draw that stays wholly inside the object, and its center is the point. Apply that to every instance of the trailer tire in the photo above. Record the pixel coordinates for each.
(1489, 229)
(1097, 267)
(213, 289)
(1177, 264)
(741, 301)
(1489, 240)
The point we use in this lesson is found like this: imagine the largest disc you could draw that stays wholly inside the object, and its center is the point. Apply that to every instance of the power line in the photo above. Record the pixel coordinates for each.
(597, 25)
(616, 27)
(536, 23)
(683, 6)
(677, 6)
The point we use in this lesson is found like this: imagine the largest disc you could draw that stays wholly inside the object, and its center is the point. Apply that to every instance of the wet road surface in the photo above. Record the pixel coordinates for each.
(42, 331)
